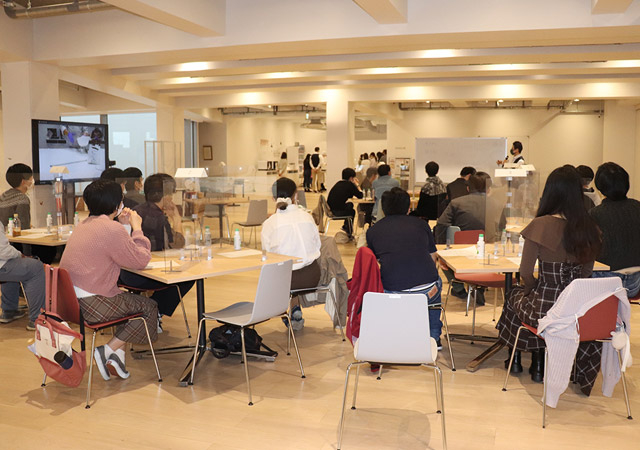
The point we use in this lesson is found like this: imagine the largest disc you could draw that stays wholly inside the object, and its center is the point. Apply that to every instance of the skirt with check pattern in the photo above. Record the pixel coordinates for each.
(553, 277)
(98, 308)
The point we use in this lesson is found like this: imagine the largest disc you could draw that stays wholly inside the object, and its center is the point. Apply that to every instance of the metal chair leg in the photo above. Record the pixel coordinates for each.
(355, 388)
(295, 345)
(495, 303)
(246, 366)
(446, 300)
(444, 429)
(93, 347)
(195, 351)
(288, 315)
(468, 300)
(379, 377)
(437, 386)
(446, 330)
(44, 381)
(544, 390)
(473, 322)
(153, 353)
(624, 387)
(184, 312)
(513, 353)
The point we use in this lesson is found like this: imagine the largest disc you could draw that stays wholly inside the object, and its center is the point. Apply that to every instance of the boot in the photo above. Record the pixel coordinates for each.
(516, 367)
(537, 366)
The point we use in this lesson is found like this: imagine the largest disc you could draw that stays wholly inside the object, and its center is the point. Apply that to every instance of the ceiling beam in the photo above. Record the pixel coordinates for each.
(609, 6)
(385, 11)
(203, 18)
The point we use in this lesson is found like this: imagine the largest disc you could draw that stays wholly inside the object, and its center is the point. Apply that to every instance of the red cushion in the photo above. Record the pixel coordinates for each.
(101, 325)
(494, 280)
(533, 330)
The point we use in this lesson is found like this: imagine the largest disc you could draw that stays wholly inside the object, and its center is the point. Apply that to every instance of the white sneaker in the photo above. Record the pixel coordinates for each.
(101, 362)
(297, 324)
(116, 367)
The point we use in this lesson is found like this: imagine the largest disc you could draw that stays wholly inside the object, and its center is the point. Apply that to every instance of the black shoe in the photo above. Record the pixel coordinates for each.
(516, 367)
(439, 342)
(480, 297)
(460, 294)
(537, 366)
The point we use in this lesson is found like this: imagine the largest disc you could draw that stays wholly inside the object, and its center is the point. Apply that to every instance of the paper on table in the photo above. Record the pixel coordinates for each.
(160, 264)
(34, 236)
(466, 251)
(241, 253)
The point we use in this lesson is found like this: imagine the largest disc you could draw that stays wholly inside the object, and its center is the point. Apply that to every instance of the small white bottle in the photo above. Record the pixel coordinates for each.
(49, 223)
(237, 242)
(207, 236)
(17, 226)
(10, 227)
(520, 245)
(480, 246)
(503, 242)
(76, 219)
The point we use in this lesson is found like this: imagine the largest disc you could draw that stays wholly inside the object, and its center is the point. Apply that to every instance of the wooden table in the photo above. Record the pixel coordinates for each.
(198, 271)
(220, 203)
(466, 264)
(38, 236)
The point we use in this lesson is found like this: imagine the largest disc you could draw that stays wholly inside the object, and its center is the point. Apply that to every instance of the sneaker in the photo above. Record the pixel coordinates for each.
(297, 325)
(296, 313)
(116, 367)
(10, 316)
(31, 326)
(101, 362)
(439, 342)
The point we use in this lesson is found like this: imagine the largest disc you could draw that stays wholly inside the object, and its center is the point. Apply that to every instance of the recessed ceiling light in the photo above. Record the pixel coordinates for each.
(269, 106)
(576, 99)
(500, 101)
(428, 101)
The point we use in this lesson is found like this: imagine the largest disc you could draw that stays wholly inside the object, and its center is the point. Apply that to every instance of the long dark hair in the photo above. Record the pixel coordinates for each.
(563, 195)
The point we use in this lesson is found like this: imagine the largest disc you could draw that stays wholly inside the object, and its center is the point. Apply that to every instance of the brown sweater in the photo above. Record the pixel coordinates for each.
(544, 242)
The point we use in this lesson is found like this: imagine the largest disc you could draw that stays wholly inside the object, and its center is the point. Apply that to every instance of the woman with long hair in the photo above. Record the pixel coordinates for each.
(565, 241)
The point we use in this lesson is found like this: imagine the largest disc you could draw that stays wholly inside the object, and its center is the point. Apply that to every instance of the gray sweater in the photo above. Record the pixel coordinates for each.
(13, 201)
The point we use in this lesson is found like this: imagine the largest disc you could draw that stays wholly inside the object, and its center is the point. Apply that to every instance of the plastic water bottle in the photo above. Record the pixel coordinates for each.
(76, 219)
(207, 236)
(17, 228)
(237, 242)
(187, 238)
(480, 246)
(503, 242)
(10, 227)
(520, 245)
(49, 222)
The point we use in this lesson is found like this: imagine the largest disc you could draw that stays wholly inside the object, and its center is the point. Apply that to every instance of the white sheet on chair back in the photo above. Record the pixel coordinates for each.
(394, 328)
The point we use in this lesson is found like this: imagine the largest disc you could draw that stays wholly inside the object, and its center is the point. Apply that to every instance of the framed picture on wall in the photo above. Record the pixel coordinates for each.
(207, 152)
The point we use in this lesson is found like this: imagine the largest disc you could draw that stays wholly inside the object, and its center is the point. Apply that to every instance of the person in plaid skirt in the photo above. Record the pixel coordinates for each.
(564, 240)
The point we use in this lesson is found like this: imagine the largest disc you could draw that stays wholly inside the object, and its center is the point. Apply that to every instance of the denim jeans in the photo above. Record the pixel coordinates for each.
(631, 282)
(435, 325)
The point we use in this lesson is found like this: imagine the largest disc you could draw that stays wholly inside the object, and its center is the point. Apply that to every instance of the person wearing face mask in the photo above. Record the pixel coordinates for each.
(95, 253)
(133, 185)
(516, 152)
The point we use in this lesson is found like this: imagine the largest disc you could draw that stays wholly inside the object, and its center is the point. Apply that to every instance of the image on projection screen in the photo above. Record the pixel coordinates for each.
(452, 154)
(79, 147)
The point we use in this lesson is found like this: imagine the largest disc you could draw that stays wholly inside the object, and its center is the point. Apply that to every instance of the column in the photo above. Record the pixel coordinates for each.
(340, 135)
(170, 131)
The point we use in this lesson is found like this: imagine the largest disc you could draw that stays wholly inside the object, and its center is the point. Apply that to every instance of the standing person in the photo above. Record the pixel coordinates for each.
(373, 160)
(406, 250)
(516, 152)
(382, 185)
(322, 172)
(433, 185)
(306, 164)
(282, 165)
(383, 158)
(564, 240)
(292, 231)
(96, 252)
(342, 191)
(460, 186)
(619, 220)
(133, 185)
(316, 165)
(586, 173)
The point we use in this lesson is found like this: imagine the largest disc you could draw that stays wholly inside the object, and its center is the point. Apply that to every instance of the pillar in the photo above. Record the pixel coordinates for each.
(170, 131)
(340, 135)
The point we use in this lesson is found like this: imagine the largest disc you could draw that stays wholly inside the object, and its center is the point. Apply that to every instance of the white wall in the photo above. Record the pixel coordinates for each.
(215, 135)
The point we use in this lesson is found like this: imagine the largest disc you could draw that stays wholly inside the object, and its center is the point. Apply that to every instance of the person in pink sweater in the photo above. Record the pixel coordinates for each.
(98, 248)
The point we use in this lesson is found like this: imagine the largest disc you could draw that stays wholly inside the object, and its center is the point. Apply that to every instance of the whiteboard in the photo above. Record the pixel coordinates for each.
(452, 154)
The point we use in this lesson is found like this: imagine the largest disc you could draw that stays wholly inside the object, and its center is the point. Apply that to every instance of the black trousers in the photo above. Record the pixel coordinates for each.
(165, 295)
(347, 211)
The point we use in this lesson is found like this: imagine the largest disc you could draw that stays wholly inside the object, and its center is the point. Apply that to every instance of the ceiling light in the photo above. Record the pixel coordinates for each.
(428, 101)
(439, 53)
(576, 99)
(192, 66)
(269, 106)
(500, 101)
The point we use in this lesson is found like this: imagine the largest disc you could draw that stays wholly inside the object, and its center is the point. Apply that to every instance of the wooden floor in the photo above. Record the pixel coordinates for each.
(291, 413)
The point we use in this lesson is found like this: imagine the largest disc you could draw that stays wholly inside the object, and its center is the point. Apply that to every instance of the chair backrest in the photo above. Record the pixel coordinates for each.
(467, 237)
(394, 328)
(68, 307)
(451, 231)
(258, 212)
(272, 293)
(599, 321)
(325, 206)
(302, 199)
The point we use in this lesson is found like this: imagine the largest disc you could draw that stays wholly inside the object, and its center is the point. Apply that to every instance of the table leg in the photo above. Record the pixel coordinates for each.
(201, 339)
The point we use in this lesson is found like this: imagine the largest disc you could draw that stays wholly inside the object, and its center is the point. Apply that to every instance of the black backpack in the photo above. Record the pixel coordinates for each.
(226, 339)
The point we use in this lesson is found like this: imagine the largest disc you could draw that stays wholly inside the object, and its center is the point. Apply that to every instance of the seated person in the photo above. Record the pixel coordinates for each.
(16, 201)
(117, 175)
(433, 184)
(367, 184)
(384, 183)
(133, 184)
(460, 186)
(342, 191)
(406, 250)
(96, 252)
(432, 195)
(619, 220)
(564, 241)
(16, 269)
(158, 191)
(586, 173)
(292, 231)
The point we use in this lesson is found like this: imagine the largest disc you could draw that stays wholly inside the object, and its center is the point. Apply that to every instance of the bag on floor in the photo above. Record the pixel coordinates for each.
(53, 348)
(226, 339)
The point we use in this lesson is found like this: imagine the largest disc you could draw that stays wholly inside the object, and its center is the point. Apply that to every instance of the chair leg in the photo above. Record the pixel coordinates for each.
(624, 386)
(228, 227)
(288, 313)
(513, 353)
(379, 377)
(93, 347)
(444, 429)
(153, 353)
(495, 303)
(295, 345)
(335, 306)
(195, 351)
(446, 300)
(184, 313)
(446, 330)
(544, 390)
(344, 401)
(468, 300)
(355, 388)
(246, 366)
(473, 322)
(44, 381)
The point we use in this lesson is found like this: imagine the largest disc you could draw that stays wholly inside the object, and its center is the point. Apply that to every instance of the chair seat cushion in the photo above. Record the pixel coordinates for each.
(494, 280)
(237, 314)
(100, 325)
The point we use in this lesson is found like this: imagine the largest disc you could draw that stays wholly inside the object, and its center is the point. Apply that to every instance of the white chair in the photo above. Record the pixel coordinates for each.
(406, 341)
(257, 214)
(271, 300)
